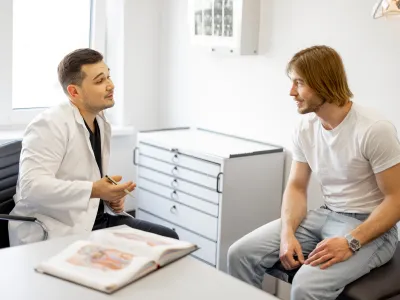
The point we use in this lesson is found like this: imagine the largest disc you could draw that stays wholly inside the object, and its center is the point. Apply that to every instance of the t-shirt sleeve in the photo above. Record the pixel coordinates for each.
(297, 152)
(380, 146)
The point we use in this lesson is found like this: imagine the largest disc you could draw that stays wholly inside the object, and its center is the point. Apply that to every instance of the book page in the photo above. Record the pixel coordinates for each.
(102, 267)
(141, 243)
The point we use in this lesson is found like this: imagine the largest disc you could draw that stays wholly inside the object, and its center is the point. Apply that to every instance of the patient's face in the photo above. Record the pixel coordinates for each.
(96, 91)
(306, 98)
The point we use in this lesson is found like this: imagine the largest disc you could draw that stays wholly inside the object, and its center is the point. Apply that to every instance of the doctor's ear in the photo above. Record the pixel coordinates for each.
(73, 91)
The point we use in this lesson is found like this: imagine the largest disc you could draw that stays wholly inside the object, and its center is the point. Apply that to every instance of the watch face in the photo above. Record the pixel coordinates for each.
(355, 244)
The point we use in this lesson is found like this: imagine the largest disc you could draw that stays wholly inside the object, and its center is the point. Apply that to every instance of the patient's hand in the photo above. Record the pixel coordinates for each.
(329, 251)
(118, 205)
(289, 249)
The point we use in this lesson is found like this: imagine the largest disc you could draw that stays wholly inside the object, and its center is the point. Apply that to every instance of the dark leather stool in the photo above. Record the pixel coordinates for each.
(382, 283)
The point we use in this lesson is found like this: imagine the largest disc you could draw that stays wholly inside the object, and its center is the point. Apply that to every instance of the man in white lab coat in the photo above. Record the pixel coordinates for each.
(64, 158)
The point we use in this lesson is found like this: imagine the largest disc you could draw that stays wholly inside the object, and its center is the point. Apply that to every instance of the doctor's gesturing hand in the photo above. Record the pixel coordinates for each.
(111, 193)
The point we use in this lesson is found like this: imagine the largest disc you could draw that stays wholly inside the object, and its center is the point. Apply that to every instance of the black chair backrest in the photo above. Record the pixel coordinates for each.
(9, 168)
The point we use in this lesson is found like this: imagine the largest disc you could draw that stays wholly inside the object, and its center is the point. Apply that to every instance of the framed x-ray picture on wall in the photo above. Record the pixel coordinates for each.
(230, 26)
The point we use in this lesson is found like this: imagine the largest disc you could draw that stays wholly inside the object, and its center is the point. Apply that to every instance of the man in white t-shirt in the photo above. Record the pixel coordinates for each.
(355, 155)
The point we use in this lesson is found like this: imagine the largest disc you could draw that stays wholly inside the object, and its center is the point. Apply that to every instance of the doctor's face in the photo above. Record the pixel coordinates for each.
(96, 92)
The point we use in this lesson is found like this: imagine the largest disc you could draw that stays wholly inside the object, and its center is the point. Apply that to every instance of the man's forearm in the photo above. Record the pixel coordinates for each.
(294, 210)
(384, 217)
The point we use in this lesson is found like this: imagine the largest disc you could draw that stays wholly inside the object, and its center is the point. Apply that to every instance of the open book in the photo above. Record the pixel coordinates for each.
(113, 258)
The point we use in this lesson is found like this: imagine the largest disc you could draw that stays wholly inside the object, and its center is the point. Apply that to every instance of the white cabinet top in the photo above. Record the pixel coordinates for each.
(196, 140)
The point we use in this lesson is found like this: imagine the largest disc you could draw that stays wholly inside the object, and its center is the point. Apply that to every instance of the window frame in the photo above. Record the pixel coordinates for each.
(19, 118)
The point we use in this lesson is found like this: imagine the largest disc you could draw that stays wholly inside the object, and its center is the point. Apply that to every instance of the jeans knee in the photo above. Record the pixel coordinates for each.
(238, 254)
(302, 288)
(234, 253)
(243, 263)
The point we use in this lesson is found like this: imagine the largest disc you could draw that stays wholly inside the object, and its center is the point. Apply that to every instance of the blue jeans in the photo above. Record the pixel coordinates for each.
(255, 254)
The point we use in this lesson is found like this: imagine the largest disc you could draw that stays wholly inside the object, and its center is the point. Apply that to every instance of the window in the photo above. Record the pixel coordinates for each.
(43, 32)
(35, 36)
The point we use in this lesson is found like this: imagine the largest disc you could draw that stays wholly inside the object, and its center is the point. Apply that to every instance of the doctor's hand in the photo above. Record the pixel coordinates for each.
(118, 206)
(109, 192)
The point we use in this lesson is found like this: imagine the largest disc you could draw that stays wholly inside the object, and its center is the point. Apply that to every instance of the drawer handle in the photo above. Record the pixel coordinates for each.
(174, 195)
(175, 171)
(174, 183)
(134, 155)
(218, 181)
(173, 209)
(175, 158)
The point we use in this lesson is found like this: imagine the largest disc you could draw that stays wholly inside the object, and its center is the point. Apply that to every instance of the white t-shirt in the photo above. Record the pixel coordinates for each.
(347, 158)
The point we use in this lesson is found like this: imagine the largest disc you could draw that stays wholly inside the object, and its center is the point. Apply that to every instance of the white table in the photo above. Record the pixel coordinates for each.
(187, 278)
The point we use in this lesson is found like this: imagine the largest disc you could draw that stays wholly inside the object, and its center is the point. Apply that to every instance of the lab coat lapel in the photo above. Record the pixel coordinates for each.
(82, 127)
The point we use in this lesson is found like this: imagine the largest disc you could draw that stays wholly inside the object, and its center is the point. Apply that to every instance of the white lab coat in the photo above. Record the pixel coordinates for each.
(57, 171)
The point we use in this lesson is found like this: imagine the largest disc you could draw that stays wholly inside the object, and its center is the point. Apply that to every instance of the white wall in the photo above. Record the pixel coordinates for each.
(142, 38)
(249, 95)
(141, 78)
(137, 104)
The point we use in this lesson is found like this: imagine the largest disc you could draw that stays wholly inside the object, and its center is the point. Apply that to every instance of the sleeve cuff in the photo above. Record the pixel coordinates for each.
(299, 159)
(387, 165)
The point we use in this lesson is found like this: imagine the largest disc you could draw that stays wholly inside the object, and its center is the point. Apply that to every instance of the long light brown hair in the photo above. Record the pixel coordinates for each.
(322, 69)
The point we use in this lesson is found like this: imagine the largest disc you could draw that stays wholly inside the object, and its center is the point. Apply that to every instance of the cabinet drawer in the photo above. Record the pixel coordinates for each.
(179, 214)
(180, 185)
(208, 249)
(179, 197)
(179, 172)
(178, 159)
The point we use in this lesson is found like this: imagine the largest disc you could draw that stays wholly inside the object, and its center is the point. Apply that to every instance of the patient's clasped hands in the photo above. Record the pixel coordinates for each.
(328, 252)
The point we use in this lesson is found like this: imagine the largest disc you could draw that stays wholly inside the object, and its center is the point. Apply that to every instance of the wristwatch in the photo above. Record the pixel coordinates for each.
(354, 244)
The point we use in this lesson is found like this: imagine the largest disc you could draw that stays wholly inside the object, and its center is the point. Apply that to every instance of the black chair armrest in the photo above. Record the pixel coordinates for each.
(17, 218)
(26, 219)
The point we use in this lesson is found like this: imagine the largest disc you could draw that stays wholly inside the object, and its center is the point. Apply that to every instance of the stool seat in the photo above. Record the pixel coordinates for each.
(381, 283)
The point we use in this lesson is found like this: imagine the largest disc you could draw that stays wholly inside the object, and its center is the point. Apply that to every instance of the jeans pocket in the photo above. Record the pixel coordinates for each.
(386, 246)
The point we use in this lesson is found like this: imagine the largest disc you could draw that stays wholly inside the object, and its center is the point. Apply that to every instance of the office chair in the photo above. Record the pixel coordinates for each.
(9, 168)
(380, 284)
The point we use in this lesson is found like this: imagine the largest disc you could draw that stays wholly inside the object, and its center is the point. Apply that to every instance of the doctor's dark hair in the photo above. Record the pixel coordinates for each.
(322, 69)
(70, 68)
